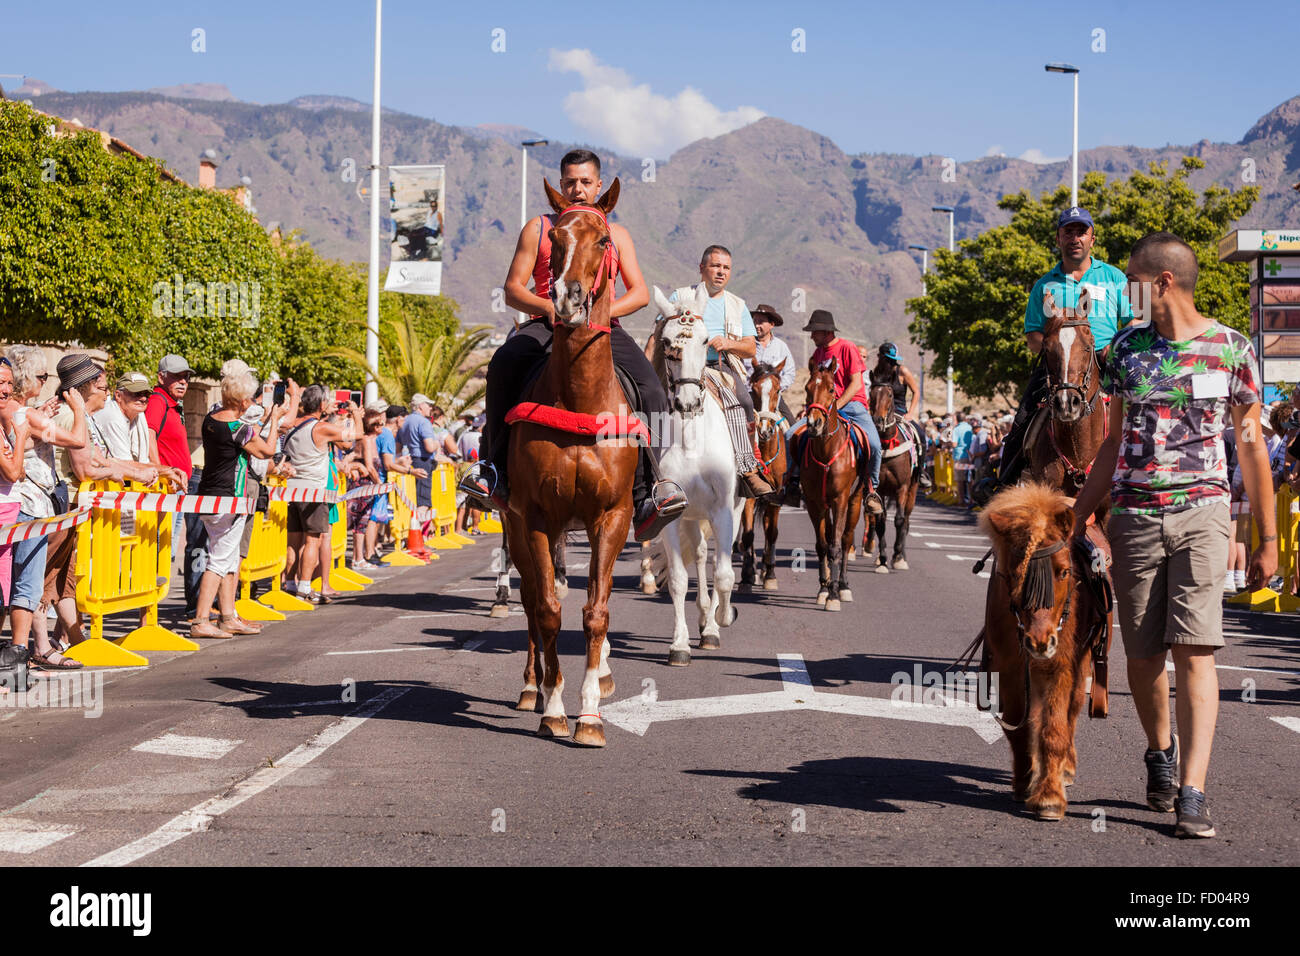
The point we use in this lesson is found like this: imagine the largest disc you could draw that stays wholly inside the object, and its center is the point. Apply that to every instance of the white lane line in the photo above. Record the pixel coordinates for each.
(412, 617)
(956, 547)
(961, 557)
(486, 587)
(380, 650)
(176, 745)
(1290, 723)
(1169, 666)
(19, 835)
(962, 537)
(199, 818)
(474, 645)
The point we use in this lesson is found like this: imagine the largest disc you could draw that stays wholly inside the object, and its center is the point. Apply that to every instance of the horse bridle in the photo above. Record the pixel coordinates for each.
(1055, 388)
(673, 353)
(893, 418)
(603, 274)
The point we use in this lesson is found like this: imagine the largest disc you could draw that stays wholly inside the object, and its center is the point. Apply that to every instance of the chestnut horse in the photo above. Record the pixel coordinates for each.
(899, 478)
(765, 386)
(1069, 439)
(1041, 621)
(832, 489)
(567, 479)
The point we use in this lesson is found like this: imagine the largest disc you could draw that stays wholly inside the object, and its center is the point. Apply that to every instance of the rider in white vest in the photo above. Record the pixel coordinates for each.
(731, 341)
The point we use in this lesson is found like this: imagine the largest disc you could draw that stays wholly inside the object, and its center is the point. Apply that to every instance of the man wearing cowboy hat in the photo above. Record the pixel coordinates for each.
(731, 332)
(771, 351)
(850, 402)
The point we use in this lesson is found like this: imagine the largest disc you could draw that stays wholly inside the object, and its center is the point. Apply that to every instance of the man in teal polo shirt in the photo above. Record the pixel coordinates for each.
(1110, 311)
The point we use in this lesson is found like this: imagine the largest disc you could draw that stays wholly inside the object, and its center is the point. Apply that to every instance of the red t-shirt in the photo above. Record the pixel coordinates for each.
(847, 361)
(167, 420)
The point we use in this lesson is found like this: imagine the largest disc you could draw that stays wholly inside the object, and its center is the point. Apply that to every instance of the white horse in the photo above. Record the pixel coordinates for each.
(700, 459)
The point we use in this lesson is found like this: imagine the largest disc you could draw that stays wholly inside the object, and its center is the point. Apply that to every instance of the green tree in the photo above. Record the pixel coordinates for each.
(975, 298)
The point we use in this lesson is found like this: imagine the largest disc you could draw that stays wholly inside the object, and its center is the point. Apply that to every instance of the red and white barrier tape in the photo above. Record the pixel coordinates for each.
(41, 527)
(177, 503)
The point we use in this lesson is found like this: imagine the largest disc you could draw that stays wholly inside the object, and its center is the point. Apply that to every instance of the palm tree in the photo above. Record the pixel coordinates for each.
(438, 367)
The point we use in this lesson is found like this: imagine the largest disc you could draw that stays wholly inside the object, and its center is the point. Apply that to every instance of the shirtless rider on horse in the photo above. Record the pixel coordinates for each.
(656, 502)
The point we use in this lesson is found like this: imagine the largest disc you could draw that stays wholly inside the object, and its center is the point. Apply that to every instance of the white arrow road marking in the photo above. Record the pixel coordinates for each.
(199, 818)
(636, 714)
(1290, 723)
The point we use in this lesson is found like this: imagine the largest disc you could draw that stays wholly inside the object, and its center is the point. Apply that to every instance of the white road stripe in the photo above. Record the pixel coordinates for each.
(474, 645)
(963, 537)
(19, 835)
(1169, 666)
(200, 817)
(380, 650)
(956, 547)
(1290, 723)
(176, 745)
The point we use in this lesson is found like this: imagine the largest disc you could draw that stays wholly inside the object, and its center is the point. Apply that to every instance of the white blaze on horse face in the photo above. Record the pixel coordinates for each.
(559, 284)
(1066, 337)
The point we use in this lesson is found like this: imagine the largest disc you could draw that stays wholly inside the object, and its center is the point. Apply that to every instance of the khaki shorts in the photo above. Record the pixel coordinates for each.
(1168, 576)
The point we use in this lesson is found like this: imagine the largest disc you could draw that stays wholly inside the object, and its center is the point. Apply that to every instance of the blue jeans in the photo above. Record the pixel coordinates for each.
(854, 412)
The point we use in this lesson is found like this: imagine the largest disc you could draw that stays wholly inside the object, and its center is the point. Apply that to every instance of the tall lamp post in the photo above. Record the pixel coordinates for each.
(925, 261)
(372, 285)
(523, 194)
(951, 211)
(1074, 151)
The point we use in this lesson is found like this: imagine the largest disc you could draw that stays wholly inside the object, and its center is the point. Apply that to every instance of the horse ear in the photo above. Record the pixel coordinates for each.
(607, 202)
(558, 202)
(1065, 519)
(1085, 304)
(701, 299)
(1000, 523)
(777, 369)
(832, 365)
(661, 303)
(1049, 306)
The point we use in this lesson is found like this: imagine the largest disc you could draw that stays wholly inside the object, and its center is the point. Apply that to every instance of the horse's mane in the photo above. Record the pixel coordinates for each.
(1027, 516)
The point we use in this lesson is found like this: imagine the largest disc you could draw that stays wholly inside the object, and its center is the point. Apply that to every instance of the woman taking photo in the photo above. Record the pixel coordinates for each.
(227, 443)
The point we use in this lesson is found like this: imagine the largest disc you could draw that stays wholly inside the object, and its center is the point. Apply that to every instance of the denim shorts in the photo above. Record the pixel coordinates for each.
(28, 570)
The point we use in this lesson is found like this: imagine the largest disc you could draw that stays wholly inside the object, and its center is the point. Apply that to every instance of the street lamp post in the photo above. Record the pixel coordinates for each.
(951, 211)
(1074, 151)
(925, 262)
(372, 284)
(523, 193)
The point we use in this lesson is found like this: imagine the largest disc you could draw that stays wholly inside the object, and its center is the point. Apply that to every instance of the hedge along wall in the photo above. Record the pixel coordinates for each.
(94, 246)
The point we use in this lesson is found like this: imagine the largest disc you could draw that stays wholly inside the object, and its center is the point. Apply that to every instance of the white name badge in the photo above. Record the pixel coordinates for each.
(1210, 385)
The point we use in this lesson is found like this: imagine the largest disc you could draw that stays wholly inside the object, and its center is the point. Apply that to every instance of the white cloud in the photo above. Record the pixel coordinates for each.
(995, 151)
(635, 120)
(1036, 155)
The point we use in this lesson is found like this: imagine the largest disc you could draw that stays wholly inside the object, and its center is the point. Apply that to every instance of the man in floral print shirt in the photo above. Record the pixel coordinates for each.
(1177, 378)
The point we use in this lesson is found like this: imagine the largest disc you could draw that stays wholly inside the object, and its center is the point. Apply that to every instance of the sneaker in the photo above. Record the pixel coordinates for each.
(657, 512)
(1229, 582)
(1193, 816)
(1162, 777)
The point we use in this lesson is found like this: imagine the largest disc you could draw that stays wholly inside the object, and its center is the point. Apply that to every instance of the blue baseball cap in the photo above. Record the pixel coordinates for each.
(890, 351)
(1074, 214)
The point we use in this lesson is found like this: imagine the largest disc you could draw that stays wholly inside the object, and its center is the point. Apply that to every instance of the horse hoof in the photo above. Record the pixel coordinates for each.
(882, 569)
(745, 587)
(527, 700)
(769, 584)
(833, 604)
(648, 587)
(554, 727)
(679, 658)
(850, 556)
(561, 590)
(709, 642)
(589, 734)
(607, 686)
(499, 611)
(846, 595)
(1048, 811)
(900, 564)
(821, 598)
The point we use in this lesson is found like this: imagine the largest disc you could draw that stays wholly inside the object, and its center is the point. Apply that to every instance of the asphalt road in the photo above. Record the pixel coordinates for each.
(381, 730)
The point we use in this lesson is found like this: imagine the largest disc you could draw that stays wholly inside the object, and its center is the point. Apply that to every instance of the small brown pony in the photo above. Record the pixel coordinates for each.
(1041, 621)
(1069, 439)
(832, 488)
(899, 478)
(765, 386)
(568, 479)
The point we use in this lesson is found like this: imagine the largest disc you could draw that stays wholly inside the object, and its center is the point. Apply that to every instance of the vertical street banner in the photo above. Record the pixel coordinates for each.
(416, 201)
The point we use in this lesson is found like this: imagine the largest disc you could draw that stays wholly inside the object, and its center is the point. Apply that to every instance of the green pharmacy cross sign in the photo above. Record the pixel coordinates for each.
(1274, 257)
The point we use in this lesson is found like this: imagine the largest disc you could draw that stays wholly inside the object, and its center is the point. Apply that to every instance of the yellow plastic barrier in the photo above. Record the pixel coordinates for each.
(342, 578)
(444, 510)
(490, 524)
(400, 526)
(945, 485)
(268, 552)
(119, 572)
(1266, 599)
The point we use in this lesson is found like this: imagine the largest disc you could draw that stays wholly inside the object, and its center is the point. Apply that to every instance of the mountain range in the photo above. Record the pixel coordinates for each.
(809, 225)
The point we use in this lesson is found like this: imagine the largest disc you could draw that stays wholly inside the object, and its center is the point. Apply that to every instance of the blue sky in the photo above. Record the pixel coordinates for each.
(956, 79)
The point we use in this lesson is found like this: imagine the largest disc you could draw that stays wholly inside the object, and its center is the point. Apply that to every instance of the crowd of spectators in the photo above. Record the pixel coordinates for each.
(134, 430)
(975, 443)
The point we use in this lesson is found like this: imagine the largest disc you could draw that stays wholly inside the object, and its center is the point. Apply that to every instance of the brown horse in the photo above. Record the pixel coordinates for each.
(569, 479)
(899, 477)
(1069, 438)
(832, 488)
(1041, 620)
(765, 386)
